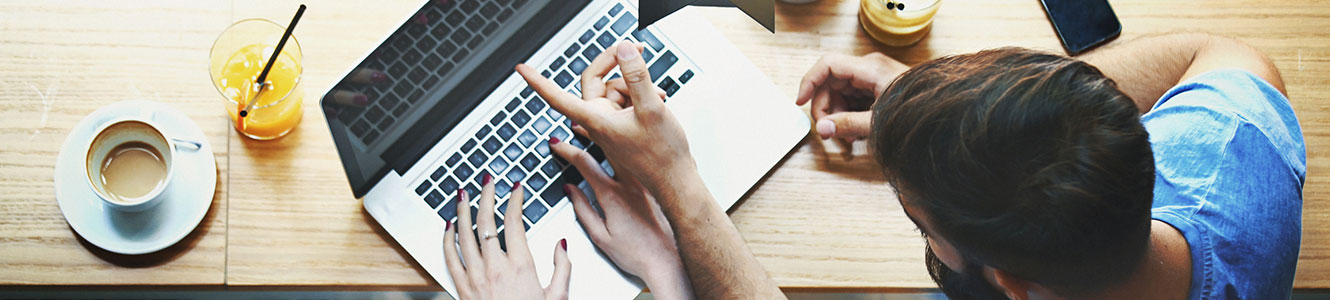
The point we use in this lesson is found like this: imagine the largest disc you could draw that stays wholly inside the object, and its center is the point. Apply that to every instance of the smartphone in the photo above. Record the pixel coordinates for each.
(1082, 24)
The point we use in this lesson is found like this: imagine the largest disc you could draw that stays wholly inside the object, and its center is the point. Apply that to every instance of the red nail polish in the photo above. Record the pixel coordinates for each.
(378, 77)
(422, 19)
(567, 189)
(554, 140)
(461, 194)
(517, 185)
(486, 179)
(450, 226)
(563, 243)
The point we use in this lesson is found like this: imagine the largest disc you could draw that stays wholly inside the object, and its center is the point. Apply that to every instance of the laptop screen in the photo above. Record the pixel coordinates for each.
(424, 78)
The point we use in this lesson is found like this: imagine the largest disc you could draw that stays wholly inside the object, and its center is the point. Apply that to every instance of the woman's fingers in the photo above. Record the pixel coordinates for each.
(635, 74)
(470, 250)
(563, 270)
(454, 262)
(567, 104)
(593, 78)
(591, 221)
(485, 226)
(512, 223)
(584, 163)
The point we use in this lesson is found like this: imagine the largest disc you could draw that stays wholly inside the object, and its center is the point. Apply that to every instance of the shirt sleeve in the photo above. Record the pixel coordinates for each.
(1230, 164)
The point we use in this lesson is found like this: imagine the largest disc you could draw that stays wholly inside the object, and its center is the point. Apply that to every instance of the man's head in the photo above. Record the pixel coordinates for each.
(1034, 165)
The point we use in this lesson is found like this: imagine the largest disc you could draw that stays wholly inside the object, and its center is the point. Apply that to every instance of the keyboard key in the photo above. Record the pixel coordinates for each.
(535, 105)
(502, 188)
(577, 65)
(527, 138)
(477, 158)
(506, 132)
(646, 57)
(424, 187)
(489, 9)
(554, 114)
(516, 175)
(498, 165)
(590, 52)
(453, 160)
(530, 162)
(564, 78)
(526, 92)
(596, 153)
(560, 133)
(546, 74)
(464, 171)
(551, 168)
(512, 104)
(498, 220)
(503, 242)
(605, 40)
(558, 62)
(658, 68)
(449, 185)
(541, 124)
(572, 50)
(471, 144)
(580, 142)
(513, 151)
(498, 118)
(572, 175)
(535, 182)
(534, 212)
(438, 173)
(492, 145)
(683, 78)
(484, 131)
(552, 195)
(471, 191)
(669, 86)
(448, 211)
(543, 148)
(627, 21)
(615, 10)
(586, 37)
(601, 23)
(433, 199)
(520, 118)
(475, 213)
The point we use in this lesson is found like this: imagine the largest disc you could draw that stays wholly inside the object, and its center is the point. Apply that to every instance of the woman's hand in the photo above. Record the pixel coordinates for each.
(633, 232)
(484, 271)
(843, 88)
(631, 123)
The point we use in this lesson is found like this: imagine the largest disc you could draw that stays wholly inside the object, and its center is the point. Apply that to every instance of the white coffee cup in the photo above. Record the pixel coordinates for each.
(129, 163)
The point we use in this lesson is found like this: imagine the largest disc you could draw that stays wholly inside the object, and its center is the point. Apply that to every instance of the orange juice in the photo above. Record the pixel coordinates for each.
(238, 57)
(897, 22)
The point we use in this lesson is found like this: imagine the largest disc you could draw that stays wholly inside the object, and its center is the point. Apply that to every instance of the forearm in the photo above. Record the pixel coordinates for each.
(719, 263)
(1147, 67)
(669, 285)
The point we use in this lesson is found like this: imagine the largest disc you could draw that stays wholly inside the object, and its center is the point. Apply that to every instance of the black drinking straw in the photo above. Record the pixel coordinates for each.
(273, 60)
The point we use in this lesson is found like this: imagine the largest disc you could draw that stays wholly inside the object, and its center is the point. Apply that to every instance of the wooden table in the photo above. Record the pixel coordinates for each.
(283, 216)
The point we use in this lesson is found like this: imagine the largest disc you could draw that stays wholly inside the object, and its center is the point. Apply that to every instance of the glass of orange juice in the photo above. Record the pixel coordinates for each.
(897, 22)
(237, 58)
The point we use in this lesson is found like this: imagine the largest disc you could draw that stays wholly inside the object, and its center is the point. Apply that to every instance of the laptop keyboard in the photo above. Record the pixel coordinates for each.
(421, 53)
(512, 145)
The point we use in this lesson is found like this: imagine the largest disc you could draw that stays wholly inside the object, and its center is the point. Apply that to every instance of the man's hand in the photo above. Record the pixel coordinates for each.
(843, 88)
(637, 132)
(633, 231)
(483, 270)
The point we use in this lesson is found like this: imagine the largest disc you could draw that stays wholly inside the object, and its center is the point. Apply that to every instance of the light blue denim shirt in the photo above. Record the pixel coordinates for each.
(1230, 163)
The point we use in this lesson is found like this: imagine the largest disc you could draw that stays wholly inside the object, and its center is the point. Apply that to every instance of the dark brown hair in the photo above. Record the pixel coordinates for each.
(1031, 163)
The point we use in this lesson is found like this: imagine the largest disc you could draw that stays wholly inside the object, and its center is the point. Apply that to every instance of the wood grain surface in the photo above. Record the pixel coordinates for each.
(284, 216)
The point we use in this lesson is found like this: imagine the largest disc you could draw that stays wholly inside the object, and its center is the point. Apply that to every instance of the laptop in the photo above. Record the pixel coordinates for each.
(437, 104)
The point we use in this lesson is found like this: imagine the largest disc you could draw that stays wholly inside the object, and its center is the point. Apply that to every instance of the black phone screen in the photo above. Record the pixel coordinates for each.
(1082, 24)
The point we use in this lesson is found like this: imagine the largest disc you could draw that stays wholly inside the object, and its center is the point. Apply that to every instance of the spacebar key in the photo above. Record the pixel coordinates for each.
(662, 64)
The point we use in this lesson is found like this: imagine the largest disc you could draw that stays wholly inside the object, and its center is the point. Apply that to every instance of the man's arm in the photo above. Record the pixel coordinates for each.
(1147, 67)
(717, 258)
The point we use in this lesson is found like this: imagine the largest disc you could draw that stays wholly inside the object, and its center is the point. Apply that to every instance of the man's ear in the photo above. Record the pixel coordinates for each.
(1014, 288)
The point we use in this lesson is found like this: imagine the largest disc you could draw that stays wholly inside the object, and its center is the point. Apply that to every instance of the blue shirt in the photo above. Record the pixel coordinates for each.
(1230, 164)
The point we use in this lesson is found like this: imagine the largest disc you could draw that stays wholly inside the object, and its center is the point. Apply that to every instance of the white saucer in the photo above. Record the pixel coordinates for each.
(188, 195)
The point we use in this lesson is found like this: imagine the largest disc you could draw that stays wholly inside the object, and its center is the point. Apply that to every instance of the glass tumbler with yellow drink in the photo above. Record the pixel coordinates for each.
(897, 22)
(235, 63)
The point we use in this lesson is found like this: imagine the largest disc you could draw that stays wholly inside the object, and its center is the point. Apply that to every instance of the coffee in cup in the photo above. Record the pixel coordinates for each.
(129, 164)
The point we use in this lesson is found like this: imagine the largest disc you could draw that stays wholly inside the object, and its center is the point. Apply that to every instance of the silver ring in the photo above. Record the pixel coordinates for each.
(486, 235)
